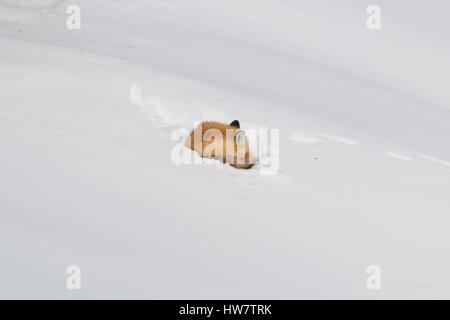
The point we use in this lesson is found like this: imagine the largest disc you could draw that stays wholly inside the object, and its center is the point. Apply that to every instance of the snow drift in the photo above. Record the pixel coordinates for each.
(86, 121)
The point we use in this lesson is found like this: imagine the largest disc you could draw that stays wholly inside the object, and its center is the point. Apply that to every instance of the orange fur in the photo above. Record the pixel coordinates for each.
(216, 140)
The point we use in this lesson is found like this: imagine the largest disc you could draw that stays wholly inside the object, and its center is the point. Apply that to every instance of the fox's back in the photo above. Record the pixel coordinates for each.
(204, 127)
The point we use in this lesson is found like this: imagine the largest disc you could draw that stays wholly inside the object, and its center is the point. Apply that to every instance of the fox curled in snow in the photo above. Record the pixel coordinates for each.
(227, 143)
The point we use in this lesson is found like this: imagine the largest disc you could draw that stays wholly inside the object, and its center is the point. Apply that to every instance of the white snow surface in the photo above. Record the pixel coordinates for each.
(86, 176)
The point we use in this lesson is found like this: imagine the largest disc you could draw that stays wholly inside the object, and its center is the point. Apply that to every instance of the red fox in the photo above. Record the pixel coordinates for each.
(227, 143)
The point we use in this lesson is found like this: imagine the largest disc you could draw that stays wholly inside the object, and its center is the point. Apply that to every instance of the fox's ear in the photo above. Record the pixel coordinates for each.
(239, 137)
(236, 124)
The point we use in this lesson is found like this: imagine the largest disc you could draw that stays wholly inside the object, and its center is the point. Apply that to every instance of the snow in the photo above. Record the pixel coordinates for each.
(87, 125)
